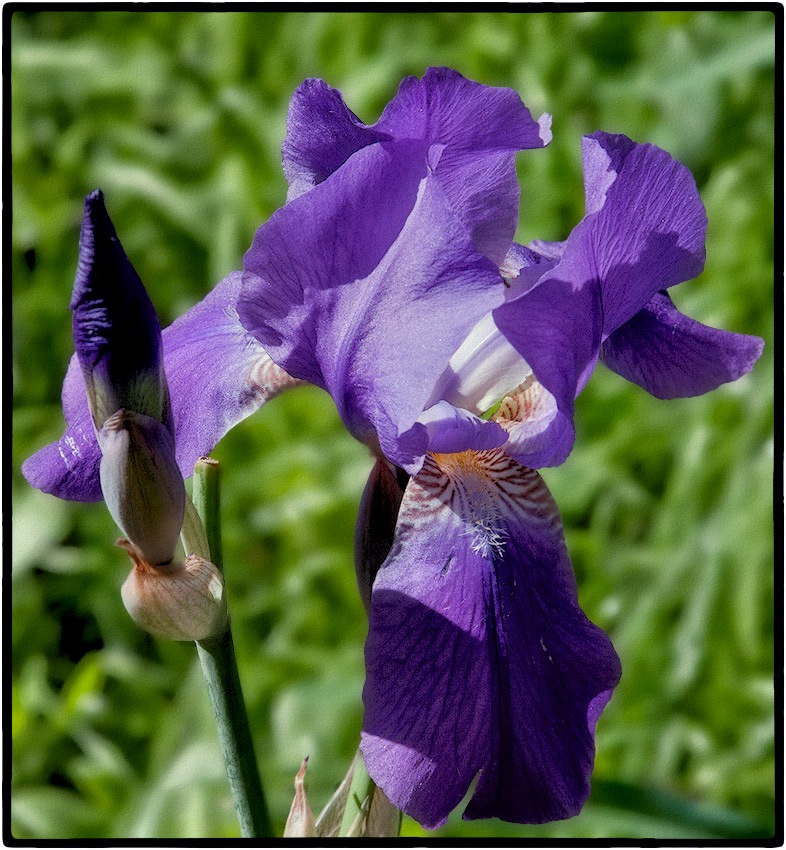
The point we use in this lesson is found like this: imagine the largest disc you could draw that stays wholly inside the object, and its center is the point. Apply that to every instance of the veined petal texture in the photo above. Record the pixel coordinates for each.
(479, 659)
(673, 356)
(369, 306)
(644, 231)
(646, 223)
(473, 132)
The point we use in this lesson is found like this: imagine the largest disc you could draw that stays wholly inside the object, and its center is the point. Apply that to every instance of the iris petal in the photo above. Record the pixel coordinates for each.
(481, 371)
(557, 328)
(644, 231)
(322, 133)
(646, 223)
(673, 356)
(539, 434)
(365, 305)
(479, 658)
(218, 373)
(69, 467)
(472, 132)
(452, 429)
(481, 128)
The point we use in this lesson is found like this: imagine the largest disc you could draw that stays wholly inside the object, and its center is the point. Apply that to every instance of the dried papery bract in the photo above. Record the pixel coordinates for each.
(300, 821)
(376, 817)
(183, 600)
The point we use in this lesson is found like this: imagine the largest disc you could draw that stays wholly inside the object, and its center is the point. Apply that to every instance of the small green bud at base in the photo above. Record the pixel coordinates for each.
(180, 601)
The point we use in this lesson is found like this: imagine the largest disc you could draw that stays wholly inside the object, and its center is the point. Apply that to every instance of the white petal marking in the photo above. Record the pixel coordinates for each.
(484, 367)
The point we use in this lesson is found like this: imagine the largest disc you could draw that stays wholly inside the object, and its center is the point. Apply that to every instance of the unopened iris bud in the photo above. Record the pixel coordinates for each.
(185, 600)
(142, 484)
(118, 343)
(116, 331)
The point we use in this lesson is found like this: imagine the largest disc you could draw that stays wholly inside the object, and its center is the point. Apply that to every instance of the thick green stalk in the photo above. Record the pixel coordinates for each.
(217, 656)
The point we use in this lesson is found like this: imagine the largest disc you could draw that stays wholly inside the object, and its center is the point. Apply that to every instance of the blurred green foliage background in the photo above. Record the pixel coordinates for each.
(179, 118)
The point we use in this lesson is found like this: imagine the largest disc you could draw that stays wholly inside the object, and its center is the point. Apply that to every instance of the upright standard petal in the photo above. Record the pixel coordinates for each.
(479, 659)
(471, 131)
(116, 331)
(672, 356)
(364, 304)
(218, 374)
(480, 128)
(322, 133)
(646, 223)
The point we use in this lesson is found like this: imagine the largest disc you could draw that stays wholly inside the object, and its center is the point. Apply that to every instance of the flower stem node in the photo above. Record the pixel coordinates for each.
(182, 600)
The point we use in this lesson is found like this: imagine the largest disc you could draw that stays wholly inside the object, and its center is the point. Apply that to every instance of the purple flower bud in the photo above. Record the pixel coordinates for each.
(118, 345)
(116, 331)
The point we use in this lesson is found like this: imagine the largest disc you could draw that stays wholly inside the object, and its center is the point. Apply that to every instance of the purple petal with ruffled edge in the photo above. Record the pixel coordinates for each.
(322, 133)
(364, 304)
(644, 231)
(478, 656)
(452, 429)
(646, 223)
(481, 128)
(672, 356)
(218, 374)
(472, 129)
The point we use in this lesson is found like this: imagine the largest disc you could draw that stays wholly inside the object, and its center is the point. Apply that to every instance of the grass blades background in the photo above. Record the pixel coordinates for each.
(179, 118)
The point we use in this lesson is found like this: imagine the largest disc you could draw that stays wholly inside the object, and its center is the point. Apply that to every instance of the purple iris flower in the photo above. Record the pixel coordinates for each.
(216, 373)
(377, 281)
(390, 279)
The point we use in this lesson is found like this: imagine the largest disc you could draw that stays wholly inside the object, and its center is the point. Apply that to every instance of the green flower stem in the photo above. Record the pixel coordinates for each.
(360, 792)
(207, 501)
(217, 656)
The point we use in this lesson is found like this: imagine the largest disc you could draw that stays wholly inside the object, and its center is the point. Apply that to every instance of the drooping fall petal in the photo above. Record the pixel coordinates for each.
(673, 356)
(479, 659)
